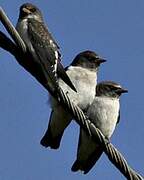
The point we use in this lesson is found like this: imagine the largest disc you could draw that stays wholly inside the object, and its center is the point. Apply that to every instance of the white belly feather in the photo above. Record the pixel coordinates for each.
(85, 83)
(104, 114)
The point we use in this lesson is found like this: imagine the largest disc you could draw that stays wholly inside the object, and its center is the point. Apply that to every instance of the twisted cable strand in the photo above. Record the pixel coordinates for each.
(113, 154)
(118, 160)
(11, 30)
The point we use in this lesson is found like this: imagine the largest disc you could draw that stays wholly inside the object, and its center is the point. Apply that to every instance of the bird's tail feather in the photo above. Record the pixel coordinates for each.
(85, 166)
(49, 141)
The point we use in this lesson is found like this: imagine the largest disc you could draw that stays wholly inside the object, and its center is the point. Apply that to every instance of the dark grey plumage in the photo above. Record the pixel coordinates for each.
(40, 43)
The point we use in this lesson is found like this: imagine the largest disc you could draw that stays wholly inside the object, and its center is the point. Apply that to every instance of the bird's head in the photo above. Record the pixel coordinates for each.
(109, 89)
(28, 10)
(88, 59)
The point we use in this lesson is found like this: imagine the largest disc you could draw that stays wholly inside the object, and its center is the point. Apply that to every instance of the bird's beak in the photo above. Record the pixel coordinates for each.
(25, 10)
(122, 90)
(101, 60)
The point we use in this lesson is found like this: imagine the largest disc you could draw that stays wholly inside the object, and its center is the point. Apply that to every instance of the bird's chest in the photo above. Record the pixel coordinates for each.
(22, 28)
(105, 115)
(85, 83)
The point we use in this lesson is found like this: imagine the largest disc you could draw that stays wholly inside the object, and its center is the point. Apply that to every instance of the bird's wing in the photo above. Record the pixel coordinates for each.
(46, 50)
(87, 154)
(118, 119)
(55, 43)
(59, 120)
(41, 43)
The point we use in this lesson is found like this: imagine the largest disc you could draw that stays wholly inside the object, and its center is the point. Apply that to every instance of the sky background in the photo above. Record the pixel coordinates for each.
(115, 30)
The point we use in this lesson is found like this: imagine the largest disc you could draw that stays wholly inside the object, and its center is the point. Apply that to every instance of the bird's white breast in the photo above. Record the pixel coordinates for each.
(85, 81)
(104, 113)
(22, 28)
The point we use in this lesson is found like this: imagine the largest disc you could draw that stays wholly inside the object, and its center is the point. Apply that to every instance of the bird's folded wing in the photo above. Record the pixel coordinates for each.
(47, 51)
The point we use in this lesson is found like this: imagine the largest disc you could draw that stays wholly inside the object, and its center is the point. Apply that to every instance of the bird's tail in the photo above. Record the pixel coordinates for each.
(49, 141)
(85, 166)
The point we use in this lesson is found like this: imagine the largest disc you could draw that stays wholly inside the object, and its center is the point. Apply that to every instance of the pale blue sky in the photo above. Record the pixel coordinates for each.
(115, 30)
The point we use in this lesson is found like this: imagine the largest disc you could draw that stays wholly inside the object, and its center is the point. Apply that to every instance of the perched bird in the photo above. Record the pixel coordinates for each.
(104, 113)
(40, 43)
(83, 74)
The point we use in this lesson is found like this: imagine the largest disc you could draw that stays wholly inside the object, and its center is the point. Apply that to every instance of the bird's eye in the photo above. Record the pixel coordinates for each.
(113, 88)
(93, 59)
(32, 9)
